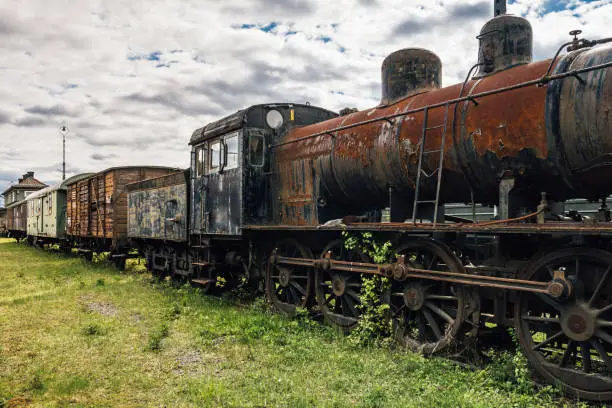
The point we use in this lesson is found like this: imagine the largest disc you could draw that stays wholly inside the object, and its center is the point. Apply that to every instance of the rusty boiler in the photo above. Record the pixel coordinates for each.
(555, 138)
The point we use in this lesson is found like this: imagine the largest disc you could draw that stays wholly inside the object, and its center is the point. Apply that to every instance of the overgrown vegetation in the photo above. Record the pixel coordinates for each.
(66, 340)
(507, 368)
(374, 327)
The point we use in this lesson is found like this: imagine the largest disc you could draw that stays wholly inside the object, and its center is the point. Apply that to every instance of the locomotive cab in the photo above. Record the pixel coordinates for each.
(231, 166)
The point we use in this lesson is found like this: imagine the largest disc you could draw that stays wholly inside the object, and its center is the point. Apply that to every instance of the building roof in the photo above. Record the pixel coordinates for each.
(27, 181)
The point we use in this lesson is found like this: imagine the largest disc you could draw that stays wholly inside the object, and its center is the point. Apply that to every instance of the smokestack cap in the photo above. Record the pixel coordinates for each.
(505, 41)
(409, 71)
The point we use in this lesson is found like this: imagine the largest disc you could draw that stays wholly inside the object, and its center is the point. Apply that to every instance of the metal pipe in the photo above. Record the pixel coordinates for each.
(451, 101)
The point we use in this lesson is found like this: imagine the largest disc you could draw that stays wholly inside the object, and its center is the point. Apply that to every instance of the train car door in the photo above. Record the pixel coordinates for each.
(217, 195)
(39, 214)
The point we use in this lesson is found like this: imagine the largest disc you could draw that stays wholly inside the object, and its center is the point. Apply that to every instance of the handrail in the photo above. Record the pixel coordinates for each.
(525, 84)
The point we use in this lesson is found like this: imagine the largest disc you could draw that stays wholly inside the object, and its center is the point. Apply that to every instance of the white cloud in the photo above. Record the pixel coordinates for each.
(134, 79)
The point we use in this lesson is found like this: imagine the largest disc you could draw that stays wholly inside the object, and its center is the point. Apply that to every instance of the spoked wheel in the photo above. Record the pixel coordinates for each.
(338, 293)
(288, 286)
(429, 316)
(568, 340)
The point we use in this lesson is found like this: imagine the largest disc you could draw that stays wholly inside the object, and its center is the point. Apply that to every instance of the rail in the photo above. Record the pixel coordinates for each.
(540, 81)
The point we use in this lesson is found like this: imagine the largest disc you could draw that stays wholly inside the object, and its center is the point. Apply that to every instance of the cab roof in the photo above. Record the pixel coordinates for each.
(237, 120)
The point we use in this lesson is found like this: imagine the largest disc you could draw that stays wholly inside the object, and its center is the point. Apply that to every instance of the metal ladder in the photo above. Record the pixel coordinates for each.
(201, 263)
(438, 171)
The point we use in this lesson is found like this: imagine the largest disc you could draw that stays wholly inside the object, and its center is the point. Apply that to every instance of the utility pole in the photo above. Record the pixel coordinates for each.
(63, 129)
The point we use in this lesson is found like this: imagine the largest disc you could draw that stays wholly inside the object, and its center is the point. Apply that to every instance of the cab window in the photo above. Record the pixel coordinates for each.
(256, 150)
(231, 145)
(199, 160)
(215, 156)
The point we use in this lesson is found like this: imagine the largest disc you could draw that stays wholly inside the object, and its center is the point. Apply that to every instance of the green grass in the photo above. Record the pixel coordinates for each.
(73, 334)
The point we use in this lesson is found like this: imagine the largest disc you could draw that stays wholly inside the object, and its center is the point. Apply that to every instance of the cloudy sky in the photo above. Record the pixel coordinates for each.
(133, 79)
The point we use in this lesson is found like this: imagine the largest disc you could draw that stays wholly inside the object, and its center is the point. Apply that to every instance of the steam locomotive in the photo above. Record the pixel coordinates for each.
(271, 189)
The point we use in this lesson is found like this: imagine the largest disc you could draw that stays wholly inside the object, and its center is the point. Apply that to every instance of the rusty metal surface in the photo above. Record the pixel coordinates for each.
(157, 208)
(505, 41)
(583, 120)
(353, 159)
(409, 71)
(565, 229)
(402, 271)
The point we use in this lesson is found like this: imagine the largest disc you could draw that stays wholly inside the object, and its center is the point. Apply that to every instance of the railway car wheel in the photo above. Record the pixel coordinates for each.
(429, 316)
(568, 340)
(337, 292)
(288, 286)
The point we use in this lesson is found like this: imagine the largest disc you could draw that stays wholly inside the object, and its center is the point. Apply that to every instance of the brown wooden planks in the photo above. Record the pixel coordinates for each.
(97, 206)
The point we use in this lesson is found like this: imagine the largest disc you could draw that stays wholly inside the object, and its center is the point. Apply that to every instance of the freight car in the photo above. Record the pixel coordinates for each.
(273, 187)
(158, 217)
(46, 213)
(96, 216)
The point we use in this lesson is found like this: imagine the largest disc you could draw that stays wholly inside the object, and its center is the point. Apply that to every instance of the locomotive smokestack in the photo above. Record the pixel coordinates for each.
(505, 41)
(409, 71)
(499, 7)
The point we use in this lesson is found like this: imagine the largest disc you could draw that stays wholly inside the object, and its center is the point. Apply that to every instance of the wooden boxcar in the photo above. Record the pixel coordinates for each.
(97, 207)
(46, 218)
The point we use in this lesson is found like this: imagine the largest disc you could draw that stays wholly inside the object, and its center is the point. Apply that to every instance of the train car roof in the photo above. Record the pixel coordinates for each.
(18, 203)
(153, 181)
(236, 121)
(58, 186)
(88, 175)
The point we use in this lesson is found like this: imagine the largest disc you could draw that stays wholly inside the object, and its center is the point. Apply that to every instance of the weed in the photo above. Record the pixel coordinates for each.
(374, 325)
(174, 311)
(71, 385)
(375, 398)
(93, 329)
(36, 383)
(5, 395)
(100, 282)
(156, 337)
